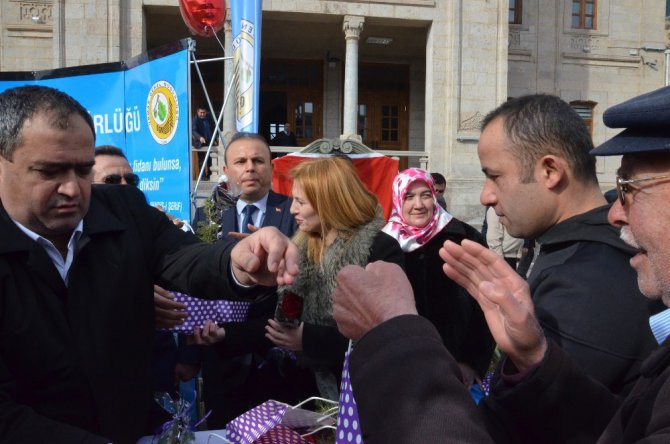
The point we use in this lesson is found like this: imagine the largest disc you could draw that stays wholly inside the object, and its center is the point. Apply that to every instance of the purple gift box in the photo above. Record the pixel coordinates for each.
(200, 310)
(281, 434)
(274, 422)
(248, 427)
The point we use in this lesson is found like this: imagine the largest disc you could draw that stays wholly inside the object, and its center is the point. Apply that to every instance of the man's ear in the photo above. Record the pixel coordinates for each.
(553, 170)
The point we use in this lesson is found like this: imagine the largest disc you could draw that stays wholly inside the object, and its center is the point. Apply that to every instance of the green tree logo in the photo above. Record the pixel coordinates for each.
(160, 108)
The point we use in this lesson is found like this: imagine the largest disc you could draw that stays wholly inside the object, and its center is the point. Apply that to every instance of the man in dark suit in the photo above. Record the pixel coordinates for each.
(229, 381)
(77, 268)
(202, 129)
(249, 171)
(284, 137)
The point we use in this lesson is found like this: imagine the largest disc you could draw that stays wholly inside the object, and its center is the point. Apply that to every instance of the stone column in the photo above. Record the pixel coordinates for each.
(352, 27)
(229, 65)
(113, 30)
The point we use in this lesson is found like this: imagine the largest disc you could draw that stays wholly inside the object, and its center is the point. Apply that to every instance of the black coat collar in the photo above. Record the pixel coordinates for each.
(98, 220)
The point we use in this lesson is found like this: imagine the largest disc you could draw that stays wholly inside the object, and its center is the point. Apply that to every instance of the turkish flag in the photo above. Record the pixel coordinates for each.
(375, 170)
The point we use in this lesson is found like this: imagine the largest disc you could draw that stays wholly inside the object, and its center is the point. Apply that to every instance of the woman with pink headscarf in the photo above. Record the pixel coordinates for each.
(421, 227)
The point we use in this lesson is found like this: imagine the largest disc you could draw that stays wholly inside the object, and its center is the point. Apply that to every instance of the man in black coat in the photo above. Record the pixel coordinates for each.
(202, 131)
(540, 392)
(77, 268)
(285, 137)
(542, 183)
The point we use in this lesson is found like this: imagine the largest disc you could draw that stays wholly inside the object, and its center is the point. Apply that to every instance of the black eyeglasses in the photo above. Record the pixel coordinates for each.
(115, 179)
(622, 185)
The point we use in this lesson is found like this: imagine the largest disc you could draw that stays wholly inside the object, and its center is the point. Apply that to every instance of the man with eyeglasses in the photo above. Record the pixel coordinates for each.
(77, 268)
(112, 168)
(540, 392)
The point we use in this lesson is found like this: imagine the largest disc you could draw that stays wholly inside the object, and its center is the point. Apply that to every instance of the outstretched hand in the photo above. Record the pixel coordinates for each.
(364, 299)
(265, 257)
(503, 296)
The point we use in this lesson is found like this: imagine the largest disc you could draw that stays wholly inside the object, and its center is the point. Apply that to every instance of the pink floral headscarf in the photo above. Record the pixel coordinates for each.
(410, 237)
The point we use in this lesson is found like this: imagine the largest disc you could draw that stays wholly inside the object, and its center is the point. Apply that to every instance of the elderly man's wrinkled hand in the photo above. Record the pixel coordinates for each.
(266, 257)
(363, 299)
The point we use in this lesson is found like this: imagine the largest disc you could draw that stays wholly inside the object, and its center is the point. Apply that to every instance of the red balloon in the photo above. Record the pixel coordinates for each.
(203, 17)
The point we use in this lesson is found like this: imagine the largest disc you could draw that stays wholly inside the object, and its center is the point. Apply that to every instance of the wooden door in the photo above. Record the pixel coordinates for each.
(383, 97)
(383, 122)
(307, 118)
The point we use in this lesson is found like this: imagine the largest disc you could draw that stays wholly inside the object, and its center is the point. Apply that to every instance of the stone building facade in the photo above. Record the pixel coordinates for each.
(428, 70)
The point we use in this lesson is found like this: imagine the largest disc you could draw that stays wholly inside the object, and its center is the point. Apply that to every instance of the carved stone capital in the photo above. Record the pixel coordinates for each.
(344, 144)
(352, 26)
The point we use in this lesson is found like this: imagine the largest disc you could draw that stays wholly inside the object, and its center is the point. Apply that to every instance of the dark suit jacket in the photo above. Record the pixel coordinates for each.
(74, 361)
(224, 375)
(283, 139)
(277, 214)
(201, 129)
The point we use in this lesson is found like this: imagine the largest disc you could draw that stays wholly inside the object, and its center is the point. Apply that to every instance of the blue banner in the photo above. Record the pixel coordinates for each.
(102, 96)
(143, 110)
(246, 21)
(158, 92)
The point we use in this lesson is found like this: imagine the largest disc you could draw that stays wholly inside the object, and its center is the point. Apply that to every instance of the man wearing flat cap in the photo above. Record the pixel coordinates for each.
(539, 392)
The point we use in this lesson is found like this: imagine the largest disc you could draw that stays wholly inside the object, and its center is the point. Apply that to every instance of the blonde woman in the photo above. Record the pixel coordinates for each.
(339, 223)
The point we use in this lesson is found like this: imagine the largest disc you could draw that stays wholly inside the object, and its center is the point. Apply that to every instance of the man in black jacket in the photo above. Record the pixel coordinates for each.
(202, 130)
(285, 137)
(540, 392)
(541, 182)
(77, 268)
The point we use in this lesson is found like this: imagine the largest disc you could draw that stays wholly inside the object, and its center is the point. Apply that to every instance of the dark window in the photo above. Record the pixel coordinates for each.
(378, 77)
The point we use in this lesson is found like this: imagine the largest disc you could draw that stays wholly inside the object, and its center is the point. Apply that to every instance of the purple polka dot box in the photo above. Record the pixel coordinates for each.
(274, 422)
(200, 310)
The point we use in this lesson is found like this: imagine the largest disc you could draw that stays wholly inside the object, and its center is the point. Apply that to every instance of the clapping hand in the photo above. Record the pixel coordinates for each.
(503, 296)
